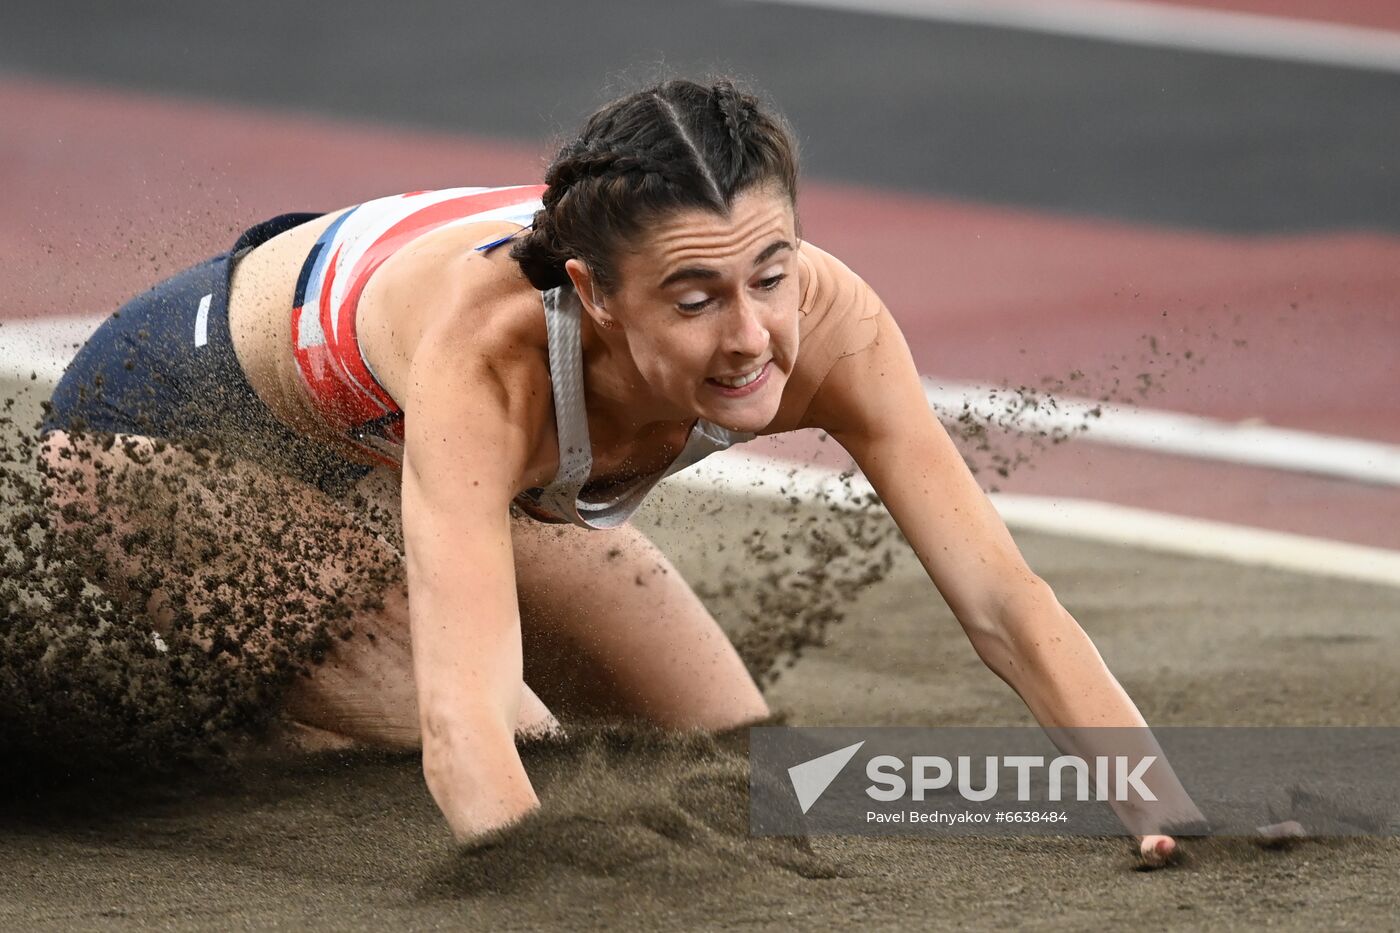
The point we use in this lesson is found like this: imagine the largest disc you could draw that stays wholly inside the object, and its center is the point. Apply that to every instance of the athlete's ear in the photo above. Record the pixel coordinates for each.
(587, 288)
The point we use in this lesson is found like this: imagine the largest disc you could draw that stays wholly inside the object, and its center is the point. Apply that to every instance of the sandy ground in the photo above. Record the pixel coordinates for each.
(646, 830)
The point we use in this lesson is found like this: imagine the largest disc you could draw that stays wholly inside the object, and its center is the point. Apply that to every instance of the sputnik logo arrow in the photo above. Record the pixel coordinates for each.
(811, 778)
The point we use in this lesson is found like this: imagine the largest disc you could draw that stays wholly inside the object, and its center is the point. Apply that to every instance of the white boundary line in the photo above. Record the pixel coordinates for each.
(776, 480)
(42, 347)
(1199, 30)
(1168, 432)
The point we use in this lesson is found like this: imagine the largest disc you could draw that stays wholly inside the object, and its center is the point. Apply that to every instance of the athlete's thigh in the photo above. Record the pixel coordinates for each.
(239, 556)
(210, 527)
(611, 628)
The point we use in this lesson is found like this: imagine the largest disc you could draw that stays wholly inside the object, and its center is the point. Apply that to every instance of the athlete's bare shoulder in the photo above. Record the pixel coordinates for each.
(839, 317)
(442, 288)
(471, 307)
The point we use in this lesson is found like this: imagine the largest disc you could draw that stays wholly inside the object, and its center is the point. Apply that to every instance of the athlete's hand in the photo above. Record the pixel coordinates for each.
(1156, 851)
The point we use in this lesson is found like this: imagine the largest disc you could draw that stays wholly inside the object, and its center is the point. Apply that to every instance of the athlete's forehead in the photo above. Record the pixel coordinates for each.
(759, 226)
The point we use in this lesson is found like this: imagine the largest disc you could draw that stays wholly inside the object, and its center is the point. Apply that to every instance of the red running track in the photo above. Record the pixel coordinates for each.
(1376, 14)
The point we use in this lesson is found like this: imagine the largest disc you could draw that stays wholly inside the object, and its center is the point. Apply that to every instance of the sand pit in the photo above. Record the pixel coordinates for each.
(641, 829)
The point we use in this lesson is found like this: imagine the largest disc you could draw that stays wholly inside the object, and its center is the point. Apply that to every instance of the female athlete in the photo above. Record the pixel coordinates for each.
(510, 371)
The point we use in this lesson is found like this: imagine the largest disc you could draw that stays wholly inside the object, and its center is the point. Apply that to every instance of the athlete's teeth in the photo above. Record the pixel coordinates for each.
(741, 381)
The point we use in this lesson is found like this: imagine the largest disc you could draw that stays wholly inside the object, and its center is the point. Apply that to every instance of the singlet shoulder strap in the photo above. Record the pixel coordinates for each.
(563, 323)
(570, 416)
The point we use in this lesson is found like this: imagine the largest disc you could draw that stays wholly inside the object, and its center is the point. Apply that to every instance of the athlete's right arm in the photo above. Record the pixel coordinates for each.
(464, 451)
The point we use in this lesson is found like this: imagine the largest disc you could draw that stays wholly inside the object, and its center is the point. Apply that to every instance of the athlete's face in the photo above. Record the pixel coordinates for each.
(709, 308)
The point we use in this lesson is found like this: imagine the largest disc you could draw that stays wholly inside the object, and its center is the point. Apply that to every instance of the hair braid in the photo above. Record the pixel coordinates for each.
(735, 115)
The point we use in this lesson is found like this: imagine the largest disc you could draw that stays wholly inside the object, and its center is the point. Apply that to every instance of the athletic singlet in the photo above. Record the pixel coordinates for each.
(348, 395)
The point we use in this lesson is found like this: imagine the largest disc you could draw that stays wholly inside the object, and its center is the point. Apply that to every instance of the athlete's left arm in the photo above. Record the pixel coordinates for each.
(872, 402)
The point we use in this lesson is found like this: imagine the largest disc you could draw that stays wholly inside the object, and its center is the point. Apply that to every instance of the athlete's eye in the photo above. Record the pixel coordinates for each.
(690, 307)
(768, 284)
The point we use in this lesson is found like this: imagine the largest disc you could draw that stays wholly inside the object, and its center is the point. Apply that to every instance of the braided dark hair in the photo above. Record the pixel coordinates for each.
(676, 145)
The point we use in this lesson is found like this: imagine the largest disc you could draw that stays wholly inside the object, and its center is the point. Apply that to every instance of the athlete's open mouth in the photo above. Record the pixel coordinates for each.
(741, 383)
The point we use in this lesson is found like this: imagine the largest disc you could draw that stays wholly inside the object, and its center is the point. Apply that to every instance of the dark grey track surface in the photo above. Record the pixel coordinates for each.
(1069, 125)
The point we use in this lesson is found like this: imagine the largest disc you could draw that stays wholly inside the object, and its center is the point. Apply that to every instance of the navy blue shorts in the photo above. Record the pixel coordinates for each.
(163, 366)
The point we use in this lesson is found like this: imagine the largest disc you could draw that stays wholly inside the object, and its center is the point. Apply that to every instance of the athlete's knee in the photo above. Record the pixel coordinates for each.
(744, 709)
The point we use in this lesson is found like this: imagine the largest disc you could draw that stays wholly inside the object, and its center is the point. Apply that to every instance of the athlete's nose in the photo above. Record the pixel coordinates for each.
(746, 335)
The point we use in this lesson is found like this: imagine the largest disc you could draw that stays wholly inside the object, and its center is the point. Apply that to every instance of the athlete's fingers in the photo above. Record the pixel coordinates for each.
(1156, 851)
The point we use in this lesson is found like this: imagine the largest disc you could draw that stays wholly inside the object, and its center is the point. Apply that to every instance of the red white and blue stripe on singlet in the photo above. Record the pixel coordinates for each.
(335, 274)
